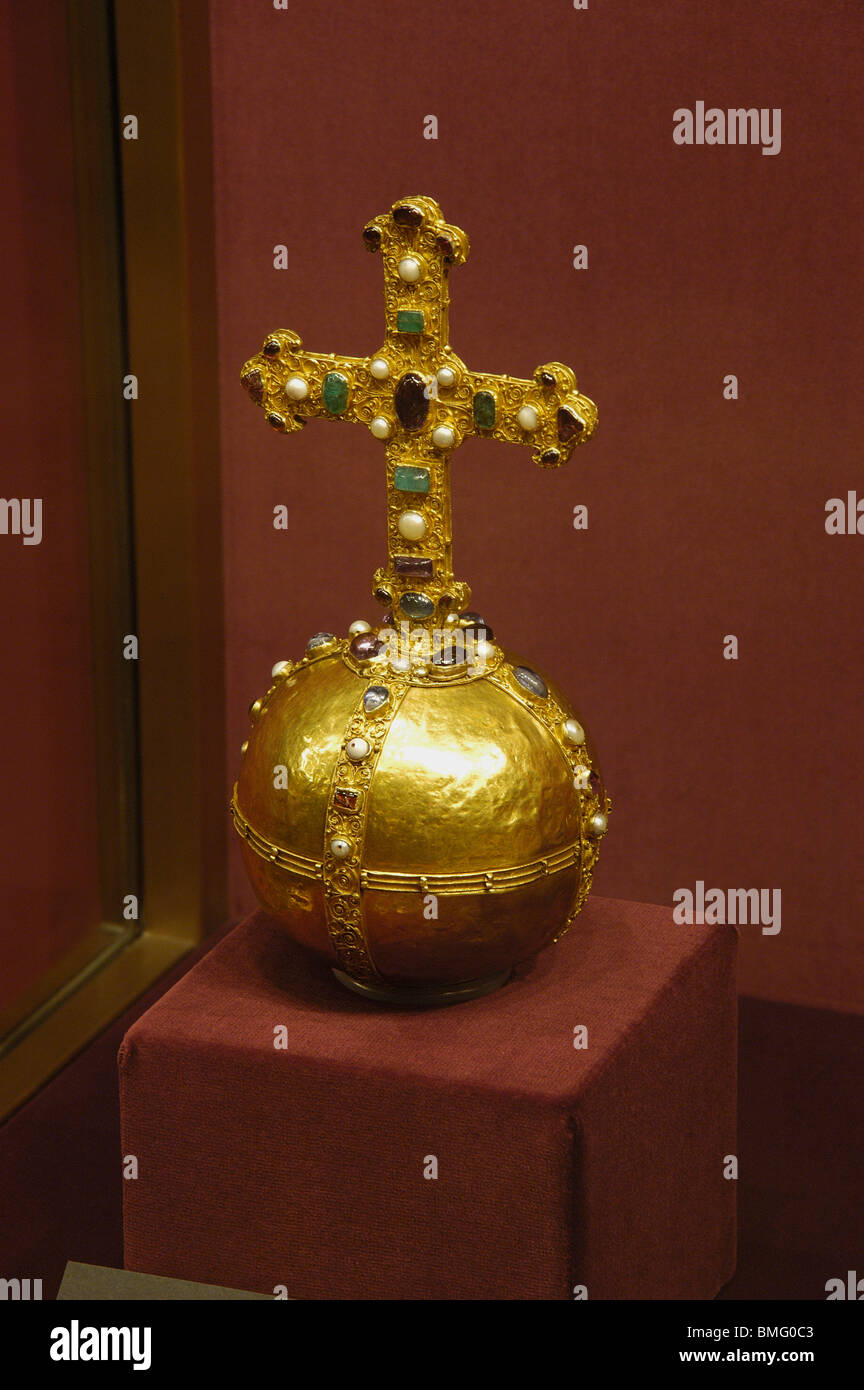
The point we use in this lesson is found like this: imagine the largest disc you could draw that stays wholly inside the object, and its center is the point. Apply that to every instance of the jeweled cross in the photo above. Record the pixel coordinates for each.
(419, 397)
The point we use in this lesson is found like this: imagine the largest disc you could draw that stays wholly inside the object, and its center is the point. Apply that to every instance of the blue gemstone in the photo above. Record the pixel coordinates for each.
(529, 680)
(416, 606)
(375, 697)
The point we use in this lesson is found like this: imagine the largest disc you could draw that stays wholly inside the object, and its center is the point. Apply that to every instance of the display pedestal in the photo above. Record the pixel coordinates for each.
(287, 1132)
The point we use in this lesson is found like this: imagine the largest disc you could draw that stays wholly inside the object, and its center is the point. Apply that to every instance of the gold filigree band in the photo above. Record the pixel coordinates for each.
(345, 828)
(549, 712)
(493, 881)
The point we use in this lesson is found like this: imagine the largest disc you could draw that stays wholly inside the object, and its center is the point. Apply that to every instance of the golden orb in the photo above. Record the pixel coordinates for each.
(422, 831)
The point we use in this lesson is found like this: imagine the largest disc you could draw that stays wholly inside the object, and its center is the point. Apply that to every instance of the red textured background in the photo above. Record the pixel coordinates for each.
(706, 517)
(49, 886)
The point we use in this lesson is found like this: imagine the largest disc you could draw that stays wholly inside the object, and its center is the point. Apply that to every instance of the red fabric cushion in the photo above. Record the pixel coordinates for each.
(303, 1166)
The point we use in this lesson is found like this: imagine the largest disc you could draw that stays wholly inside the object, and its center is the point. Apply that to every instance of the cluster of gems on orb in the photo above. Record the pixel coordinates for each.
(514, 802)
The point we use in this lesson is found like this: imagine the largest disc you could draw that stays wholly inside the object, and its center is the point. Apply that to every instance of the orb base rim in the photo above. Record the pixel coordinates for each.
(423, 996)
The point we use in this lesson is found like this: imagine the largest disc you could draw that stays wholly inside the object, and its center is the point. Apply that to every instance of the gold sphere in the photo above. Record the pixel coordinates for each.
(464, 827)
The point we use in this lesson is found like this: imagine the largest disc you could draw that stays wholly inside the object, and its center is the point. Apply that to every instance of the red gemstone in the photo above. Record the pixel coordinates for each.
(346, 798)
(417, 566)
(254, 384)
(271, 348)
(473, 622)
(365, 645)
(406, 215)
(446, 247)
(569, 425)
(411, 399)
(372, 238)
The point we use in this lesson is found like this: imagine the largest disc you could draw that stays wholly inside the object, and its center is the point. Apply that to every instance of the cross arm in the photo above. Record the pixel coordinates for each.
(547, 412)
(292, 385)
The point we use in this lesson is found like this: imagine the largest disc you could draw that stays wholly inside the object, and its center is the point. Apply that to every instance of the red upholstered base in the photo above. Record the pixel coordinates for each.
(304, 1165)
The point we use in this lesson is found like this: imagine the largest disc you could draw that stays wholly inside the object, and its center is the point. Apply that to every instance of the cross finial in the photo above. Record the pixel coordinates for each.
(421, 399)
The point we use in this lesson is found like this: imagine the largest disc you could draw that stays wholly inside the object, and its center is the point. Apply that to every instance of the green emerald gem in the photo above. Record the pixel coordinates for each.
(409, 320)
(334, 392)
(484, 410)
(407, 479)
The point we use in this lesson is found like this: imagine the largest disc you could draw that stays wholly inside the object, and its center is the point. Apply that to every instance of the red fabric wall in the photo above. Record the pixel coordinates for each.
(49, 890)
(706, 516)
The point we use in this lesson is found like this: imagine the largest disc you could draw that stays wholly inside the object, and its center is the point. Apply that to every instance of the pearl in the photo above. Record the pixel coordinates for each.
(484, 651)
(409, 269)
(443, 437)
(412, 525)
(380, 427)
(379, 368)
(296, 389)
(340, 848)
(400, 663)
(528, 417)
(573, 731)
(357, 749)
(446, 376)
(597, 825)
(358, 626)
(281, 668)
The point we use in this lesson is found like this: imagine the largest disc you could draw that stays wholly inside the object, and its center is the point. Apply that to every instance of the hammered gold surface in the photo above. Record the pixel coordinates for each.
(471, 937)
(299, 729)
(468, 778)
(297, 903)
